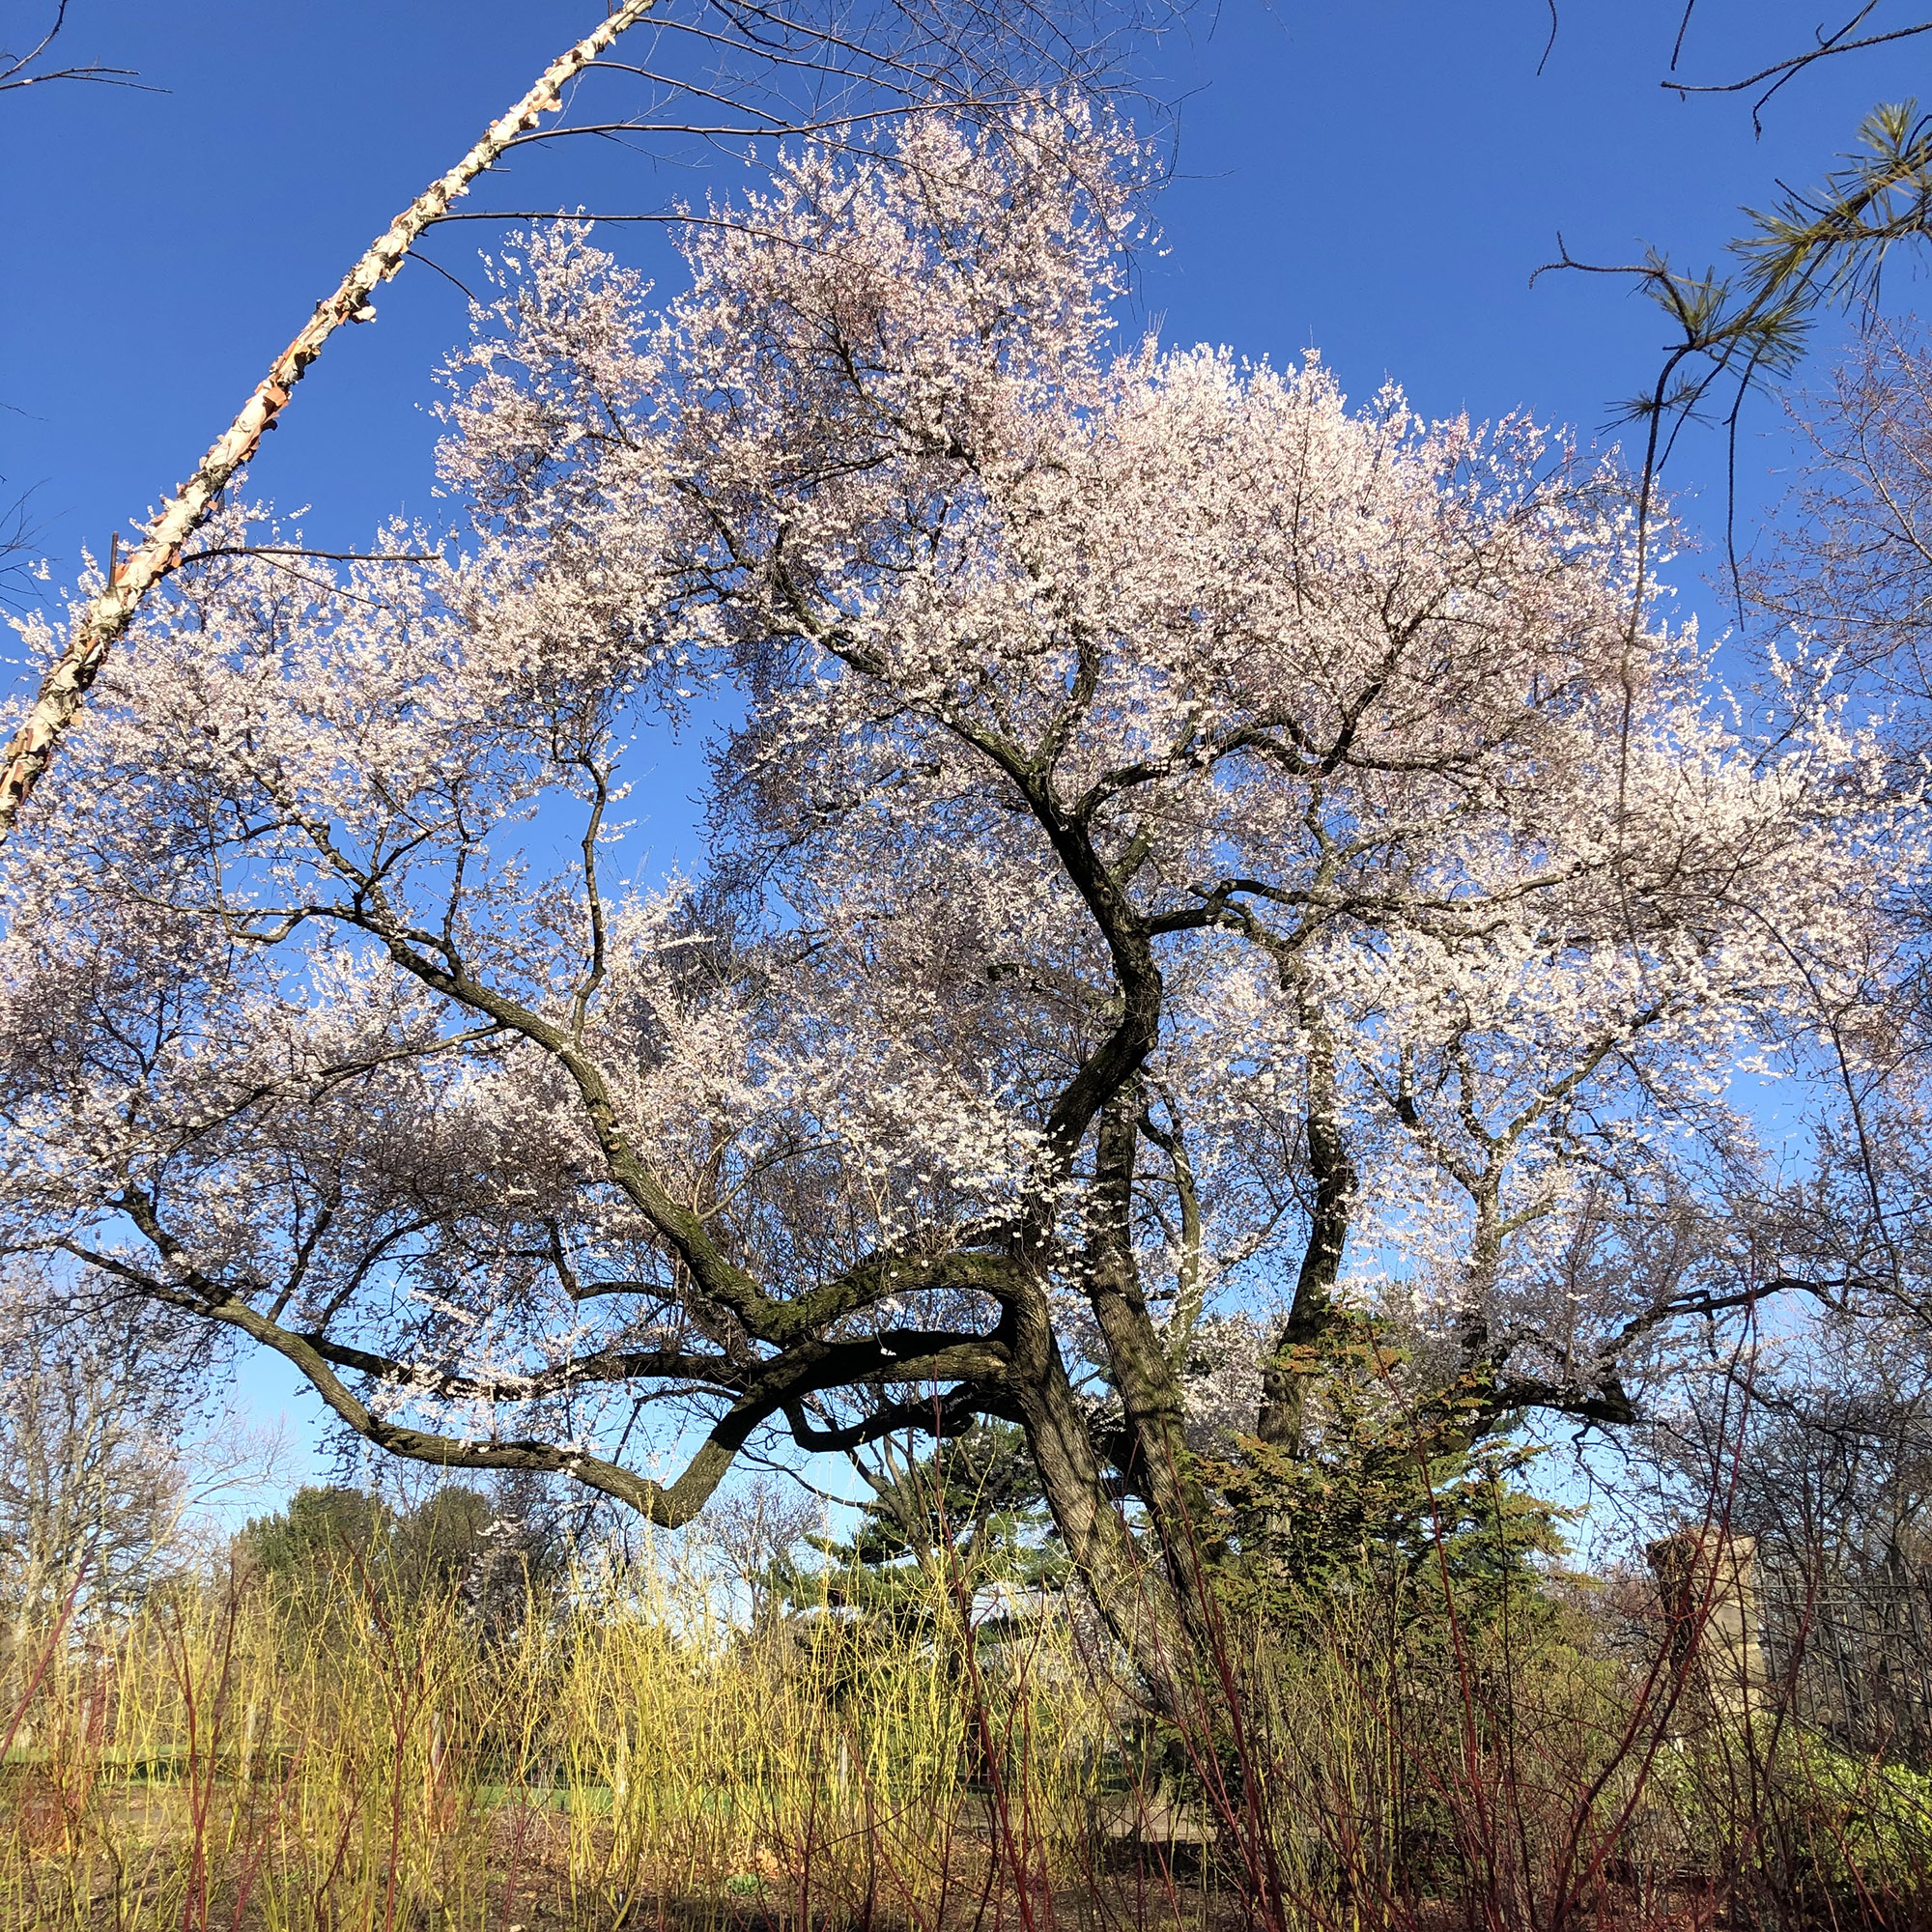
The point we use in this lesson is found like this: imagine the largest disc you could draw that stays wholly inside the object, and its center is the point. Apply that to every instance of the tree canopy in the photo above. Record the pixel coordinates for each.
(1187, 855)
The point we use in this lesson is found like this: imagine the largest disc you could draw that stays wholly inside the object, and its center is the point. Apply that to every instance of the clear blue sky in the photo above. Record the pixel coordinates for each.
(1376, 178)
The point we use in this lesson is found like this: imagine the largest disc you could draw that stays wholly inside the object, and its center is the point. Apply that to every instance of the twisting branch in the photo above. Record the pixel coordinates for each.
(64, 689)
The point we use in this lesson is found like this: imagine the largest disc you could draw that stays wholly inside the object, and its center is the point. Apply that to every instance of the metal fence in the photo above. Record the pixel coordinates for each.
(1851, 1655)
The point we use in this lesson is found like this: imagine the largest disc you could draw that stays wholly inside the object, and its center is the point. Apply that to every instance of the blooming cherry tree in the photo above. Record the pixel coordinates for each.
(1186, 856)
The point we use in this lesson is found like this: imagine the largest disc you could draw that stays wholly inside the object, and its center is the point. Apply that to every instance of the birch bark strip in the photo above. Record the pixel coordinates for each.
(63, 688)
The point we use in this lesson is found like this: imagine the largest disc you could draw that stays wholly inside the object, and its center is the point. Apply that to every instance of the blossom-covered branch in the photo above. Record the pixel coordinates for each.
(96, 627)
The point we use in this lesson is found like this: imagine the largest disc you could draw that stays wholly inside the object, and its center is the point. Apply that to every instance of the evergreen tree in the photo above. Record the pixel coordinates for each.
(939, 1528)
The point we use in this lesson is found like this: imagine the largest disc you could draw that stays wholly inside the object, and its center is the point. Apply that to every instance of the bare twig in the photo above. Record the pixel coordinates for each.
(17, 69)
(324, 555)
(1779, 73)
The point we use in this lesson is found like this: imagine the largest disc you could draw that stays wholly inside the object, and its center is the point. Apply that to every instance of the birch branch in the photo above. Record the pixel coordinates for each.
(64, 689)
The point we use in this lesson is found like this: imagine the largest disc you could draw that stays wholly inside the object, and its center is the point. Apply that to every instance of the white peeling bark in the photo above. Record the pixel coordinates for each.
(64, 689)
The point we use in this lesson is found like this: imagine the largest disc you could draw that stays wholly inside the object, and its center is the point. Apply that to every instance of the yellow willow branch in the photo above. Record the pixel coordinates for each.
(64, 689)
